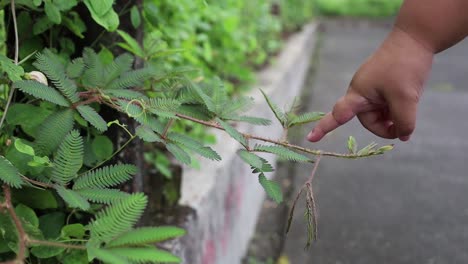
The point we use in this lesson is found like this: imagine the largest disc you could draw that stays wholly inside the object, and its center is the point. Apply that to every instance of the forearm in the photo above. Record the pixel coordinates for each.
(437, 24)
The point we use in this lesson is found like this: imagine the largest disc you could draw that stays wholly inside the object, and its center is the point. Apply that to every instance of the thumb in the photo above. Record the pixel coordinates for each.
(344, 110)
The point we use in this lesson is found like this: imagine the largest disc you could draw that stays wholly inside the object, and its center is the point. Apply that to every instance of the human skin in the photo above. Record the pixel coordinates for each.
(385, 91)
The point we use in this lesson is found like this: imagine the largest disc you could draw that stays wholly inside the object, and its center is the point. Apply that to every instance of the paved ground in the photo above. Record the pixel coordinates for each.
(406, 207)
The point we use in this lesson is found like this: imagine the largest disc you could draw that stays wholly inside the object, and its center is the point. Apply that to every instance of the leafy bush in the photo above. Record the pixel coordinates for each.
(372, 8)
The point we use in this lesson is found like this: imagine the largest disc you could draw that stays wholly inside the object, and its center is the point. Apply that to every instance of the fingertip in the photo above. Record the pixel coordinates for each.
(405, 138)
(315, 135)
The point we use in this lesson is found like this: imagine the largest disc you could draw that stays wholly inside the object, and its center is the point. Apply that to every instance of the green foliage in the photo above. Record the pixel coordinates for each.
(10, 174)
(41, 91)
(366, 8)
(282, 152)
(105, 177)
(147, 235)
(272, 188)
(68, 159)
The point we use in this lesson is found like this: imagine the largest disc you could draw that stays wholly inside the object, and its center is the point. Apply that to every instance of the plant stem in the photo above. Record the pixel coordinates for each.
(38, 183)
(22, 236)
(56, 244)
(12, 89)
(166, 129)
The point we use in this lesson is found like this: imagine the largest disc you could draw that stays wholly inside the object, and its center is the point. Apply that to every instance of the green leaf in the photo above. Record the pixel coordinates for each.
(72, 198)
(27, 214)
(52, 12)
(282, 152)
(24, 148)
(104, 196)
(102, 147)
(106, 256)
(147, 134)
(75, 68)
(65, 5)
(50, 224)
(20, 114)
(194, 146)
(232, 132)
(145, 255)
(14, 72)
(74, 24)
(132, 44)
(272, 188)
(69, 158)
(352, 145)
(41, 25)
(73, 231)
(118, 218)
(280, 115)
(306, 118)
(147, 235)
(108, 19)
(90, 115)
(135, 17)
(250, 158)
(252, 120)
(74, 257)
(179, 153)
(36, 198)
(41, 91)
(52, 131)
(44, 252)
(105, 177)
(9, 174)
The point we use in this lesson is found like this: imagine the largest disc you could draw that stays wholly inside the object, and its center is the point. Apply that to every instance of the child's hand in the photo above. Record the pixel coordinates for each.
(385, 91)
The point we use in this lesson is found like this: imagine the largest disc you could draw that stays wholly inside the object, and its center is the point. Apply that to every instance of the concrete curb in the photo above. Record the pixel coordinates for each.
(225, 197)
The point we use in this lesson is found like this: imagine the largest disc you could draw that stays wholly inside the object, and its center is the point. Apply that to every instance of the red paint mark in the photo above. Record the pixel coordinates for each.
(209, 252)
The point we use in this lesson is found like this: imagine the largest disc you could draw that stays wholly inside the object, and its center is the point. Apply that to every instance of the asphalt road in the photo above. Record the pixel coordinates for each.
(409, 206)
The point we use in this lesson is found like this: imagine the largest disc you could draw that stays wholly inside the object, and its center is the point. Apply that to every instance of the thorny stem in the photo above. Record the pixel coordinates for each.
(12, 89)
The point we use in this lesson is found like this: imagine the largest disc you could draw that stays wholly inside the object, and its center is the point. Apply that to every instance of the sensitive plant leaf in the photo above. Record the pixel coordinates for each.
(68, 159)
(105, 255)
(251, 120)
(9, 174)
(272, 188)
(145, 255)
(131, 79)
(163, 107)
(280, 115)
(179, 153)
(147, 134)
(94, 71)
(118, 218)
(41, 91)
(123, 63)
(194, 146)
(90, 115)
(282, 152)
(126, 94)
(251, 159)
(105, 177)
(232, 132)
(352, 145)
(103, 196)
(72, 198)
(75, 68)
(52, 131)
(367, 149)
(147, 235)
(306, 118)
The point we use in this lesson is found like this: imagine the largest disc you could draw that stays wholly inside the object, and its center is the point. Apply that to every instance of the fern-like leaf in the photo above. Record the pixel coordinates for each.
(194, 146)
(196, 111)
(94, 72)
(118, 218)
(232, 132)
(90, 115)
(251, 120)
(53, 130)
(41, 91)
(273, 189)
(50, 64)
(145, 255)
(147, 235)
(123, 63)
(306, 118)
(69, 158)
(104, 196)
(75, 68)
(131, 79)
(179, 153)
(105, 177)
(126, 94)
(9, 174)
(135, 111)
(251, 159)
(280, 115)
(238, 105)
(147, 134)
(266, 167)
(163, 107)
(106, 256)
(72, 198)
(282, 152)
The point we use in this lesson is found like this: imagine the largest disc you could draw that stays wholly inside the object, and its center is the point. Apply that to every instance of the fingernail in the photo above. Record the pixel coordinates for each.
(311, 134)
(405, 138)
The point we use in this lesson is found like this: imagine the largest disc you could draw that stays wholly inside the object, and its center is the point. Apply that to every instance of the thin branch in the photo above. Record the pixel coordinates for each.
(38, 183)
(56, 244)
(166, 129)
(314, 170)
(22, 236)
(12, 89)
